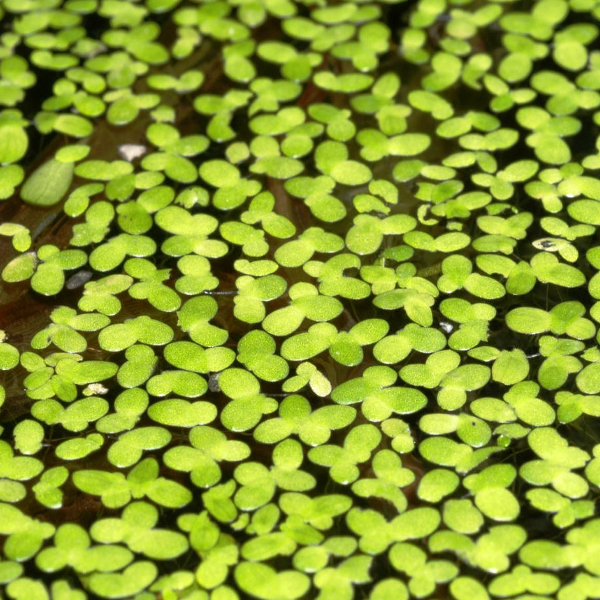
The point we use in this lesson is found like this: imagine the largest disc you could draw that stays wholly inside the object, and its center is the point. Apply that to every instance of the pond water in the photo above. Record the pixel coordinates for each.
(299, 300)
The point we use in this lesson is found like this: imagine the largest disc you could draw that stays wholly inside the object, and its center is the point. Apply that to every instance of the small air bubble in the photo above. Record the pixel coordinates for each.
(132, 151)
(95, 389)
(447, 327)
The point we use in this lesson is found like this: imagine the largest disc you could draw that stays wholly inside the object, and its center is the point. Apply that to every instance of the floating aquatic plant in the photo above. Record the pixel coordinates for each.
(299, 301)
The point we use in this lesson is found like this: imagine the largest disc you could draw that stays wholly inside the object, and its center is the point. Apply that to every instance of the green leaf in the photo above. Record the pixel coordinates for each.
(219, 173)
(528, 320)
(180, 413)
(548, 269)
(463, 588)
(13, 138)
(134, 579)
(48, 184)
(510, 367)
(436, 484)
(263, 582)
(9, 356)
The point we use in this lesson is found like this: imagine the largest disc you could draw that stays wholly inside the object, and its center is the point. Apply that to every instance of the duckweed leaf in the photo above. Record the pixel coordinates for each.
(116, 490)
(180, 413)
(397, 202)
(296, 252)
(13, 138)
(136, 529)
(548, 269)
(48, 184)
(111, 254)
(510, 367)
(210, 447)
(75, 417)
(295, 416)
(247, 404)
(528, 581)
(26, 587)
(262, 581)
(253, 292)
(390, 475)
(9, 356)
(491, 495)
(555, 463)
(376, 534)
(368, 232)
(28, 436)
(72, 546)
(128, 449)
(342, 461)
(257, 353)
(424, 576)
(25, 534)
(135, 578)
(306, 302)
(47, 490)
(436, 484)
(378, 400)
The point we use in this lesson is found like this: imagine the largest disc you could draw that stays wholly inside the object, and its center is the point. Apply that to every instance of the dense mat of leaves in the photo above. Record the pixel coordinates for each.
(324, 320)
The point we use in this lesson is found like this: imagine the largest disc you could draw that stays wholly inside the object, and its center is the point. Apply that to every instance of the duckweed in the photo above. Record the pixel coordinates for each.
(299, 300)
